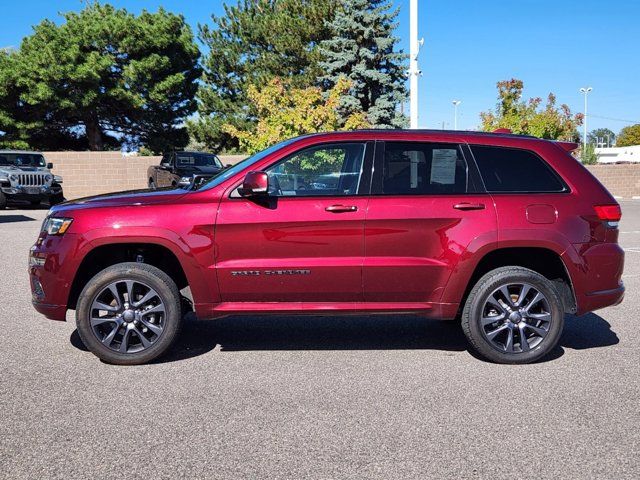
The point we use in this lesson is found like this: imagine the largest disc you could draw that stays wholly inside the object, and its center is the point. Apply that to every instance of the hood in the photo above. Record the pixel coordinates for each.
(9, 169)
(123, 199)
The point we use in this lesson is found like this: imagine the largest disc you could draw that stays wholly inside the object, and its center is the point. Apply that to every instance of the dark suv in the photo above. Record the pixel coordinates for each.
(183, 168)
(503, 233)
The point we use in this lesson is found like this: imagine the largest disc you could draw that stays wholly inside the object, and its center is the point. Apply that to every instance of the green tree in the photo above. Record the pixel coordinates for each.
(255, 41)
(629, 136)
(100, 78)
(601, 135)
(363, 50)
(284, 111)
(527, 118)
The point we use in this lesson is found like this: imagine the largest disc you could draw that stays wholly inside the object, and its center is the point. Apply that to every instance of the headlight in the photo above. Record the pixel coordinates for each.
(184, 181)
(56, 226)
(48, 177)
(57, 178)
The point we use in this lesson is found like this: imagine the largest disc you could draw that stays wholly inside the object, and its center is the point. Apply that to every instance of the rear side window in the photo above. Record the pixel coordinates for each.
(423, 169)
(515, 170)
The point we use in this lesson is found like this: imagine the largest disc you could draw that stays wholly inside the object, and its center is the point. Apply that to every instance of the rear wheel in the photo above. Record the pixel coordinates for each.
(129, 314)
(513, 315)
(152, 184)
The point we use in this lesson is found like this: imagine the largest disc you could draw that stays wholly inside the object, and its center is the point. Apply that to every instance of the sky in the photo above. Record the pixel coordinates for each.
(552, 45)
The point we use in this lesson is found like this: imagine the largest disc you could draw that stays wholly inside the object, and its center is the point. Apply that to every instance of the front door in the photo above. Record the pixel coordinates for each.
(305, 241)
(426, 212)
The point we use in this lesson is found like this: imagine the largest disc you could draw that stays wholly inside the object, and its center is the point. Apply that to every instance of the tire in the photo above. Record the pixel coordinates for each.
(157, 320)
(494, 323)
(152, 184)
(56, 199)
(3, 201)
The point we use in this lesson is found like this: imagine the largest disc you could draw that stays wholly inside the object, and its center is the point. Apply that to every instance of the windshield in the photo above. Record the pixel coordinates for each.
(247, 162)
(22, 159)
(192, 159)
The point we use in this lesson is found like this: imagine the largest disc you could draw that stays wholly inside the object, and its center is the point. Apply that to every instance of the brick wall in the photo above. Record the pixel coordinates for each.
(621, 180)
(92, 173)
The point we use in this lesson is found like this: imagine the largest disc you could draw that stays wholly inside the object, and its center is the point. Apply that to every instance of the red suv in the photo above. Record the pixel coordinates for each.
(502, 232)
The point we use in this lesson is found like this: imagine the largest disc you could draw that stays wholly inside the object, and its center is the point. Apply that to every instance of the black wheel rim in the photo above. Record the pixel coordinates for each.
(516, 318)
(127, 316)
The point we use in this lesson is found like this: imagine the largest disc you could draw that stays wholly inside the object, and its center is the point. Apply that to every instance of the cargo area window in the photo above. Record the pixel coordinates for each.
(514, 170)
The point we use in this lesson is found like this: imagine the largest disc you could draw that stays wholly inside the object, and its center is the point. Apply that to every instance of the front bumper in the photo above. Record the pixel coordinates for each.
(19, 193)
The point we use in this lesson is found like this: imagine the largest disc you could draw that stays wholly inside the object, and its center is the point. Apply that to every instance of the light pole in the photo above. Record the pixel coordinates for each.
(585, 91)
(414, 71)
(455, 113)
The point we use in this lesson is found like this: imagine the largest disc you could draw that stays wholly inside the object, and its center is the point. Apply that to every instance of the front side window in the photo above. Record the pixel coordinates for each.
(329, 170)
(412, 168)
(513, 170)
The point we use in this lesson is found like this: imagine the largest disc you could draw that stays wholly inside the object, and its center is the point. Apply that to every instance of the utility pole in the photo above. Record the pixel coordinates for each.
(455, 113)
(414, 71)
(585, 91)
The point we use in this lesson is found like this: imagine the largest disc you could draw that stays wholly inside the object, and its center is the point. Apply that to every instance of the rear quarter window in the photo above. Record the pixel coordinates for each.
(514, 170)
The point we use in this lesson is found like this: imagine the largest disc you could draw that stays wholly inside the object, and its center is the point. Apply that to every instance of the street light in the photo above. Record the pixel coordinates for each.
(455, 113)
(585, 91)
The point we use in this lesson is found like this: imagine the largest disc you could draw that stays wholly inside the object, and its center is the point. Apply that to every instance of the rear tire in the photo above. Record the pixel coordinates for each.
(3, 201)
(129, 314)
(152, 184)
(513, 315)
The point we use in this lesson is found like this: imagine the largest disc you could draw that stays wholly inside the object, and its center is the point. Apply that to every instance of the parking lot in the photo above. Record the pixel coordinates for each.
(355, 397)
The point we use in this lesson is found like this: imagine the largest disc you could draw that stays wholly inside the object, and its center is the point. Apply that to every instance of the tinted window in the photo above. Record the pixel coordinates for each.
(423, 169)
(515, 170)
(193, 159)
(321, 170)
(22, 159)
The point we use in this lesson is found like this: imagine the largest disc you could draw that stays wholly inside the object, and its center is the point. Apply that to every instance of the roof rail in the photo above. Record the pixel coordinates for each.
(502, 130)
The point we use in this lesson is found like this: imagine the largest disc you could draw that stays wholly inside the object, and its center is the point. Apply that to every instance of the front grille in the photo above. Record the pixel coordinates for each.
(31, 179)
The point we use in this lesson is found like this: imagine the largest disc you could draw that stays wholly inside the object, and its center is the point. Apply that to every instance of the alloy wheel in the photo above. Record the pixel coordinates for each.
(127, 316)
(516, 318)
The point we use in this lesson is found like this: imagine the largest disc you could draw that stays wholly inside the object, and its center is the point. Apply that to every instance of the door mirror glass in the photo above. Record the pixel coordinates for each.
(255, 183)
(49, 165)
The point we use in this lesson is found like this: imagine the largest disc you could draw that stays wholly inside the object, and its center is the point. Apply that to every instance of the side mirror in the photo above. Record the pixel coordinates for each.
(49, 165)
(255, 183)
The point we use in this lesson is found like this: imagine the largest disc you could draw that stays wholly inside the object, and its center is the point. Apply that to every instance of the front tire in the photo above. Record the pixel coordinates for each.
(513, 315)
(129, 314)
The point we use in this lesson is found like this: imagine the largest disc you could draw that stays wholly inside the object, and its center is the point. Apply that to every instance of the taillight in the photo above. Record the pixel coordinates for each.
(609, 213)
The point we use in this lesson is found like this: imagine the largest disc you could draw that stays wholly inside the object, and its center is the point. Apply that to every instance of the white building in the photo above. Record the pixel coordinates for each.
(619, 154)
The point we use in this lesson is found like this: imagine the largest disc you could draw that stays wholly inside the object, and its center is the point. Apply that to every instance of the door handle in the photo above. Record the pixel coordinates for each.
(469, 206)
(341, 208)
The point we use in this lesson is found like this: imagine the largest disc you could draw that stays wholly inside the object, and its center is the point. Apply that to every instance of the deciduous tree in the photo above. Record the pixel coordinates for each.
(527, 118)
(629, 136)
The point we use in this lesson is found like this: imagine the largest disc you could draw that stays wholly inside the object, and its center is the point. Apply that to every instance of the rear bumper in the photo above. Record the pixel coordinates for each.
(597, 300)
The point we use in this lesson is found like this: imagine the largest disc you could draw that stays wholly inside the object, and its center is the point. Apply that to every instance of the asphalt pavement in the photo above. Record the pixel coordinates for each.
(356, 397)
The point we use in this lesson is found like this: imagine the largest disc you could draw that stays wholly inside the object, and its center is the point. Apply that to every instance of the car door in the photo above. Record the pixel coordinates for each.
(164, 172)
(426, 211)
(304, 241)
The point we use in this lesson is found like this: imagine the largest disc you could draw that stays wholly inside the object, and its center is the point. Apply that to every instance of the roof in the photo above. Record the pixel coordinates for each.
(435, 132)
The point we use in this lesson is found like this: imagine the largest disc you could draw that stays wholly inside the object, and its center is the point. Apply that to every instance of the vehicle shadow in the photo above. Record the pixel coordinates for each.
(15, 218)
(375, 332)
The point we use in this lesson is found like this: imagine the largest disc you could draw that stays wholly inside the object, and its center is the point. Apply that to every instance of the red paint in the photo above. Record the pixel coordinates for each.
(365, 253)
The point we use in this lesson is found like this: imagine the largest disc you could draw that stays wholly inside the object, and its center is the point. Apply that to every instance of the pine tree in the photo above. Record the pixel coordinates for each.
(363, 49)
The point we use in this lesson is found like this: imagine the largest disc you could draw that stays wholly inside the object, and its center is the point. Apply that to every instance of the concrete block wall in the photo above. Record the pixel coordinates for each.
(622, 180)
(92, 173)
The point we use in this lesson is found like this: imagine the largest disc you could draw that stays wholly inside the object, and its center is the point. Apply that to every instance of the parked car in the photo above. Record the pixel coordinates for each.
(181, 168)
(25, 176)
(503, 233)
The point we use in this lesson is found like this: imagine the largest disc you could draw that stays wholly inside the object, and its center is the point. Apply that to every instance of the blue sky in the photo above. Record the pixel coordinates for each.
(556, 46)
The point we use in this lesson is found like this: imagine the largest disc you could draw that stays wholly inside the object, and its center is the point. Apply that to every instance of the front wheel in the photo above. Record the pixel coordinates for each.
(513, 315)
(129, 313)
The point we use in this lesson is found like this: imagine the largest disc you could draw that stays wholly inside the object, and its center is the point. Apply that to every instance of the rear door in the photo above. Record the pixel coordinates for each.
(305, 241)
(426, 210)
